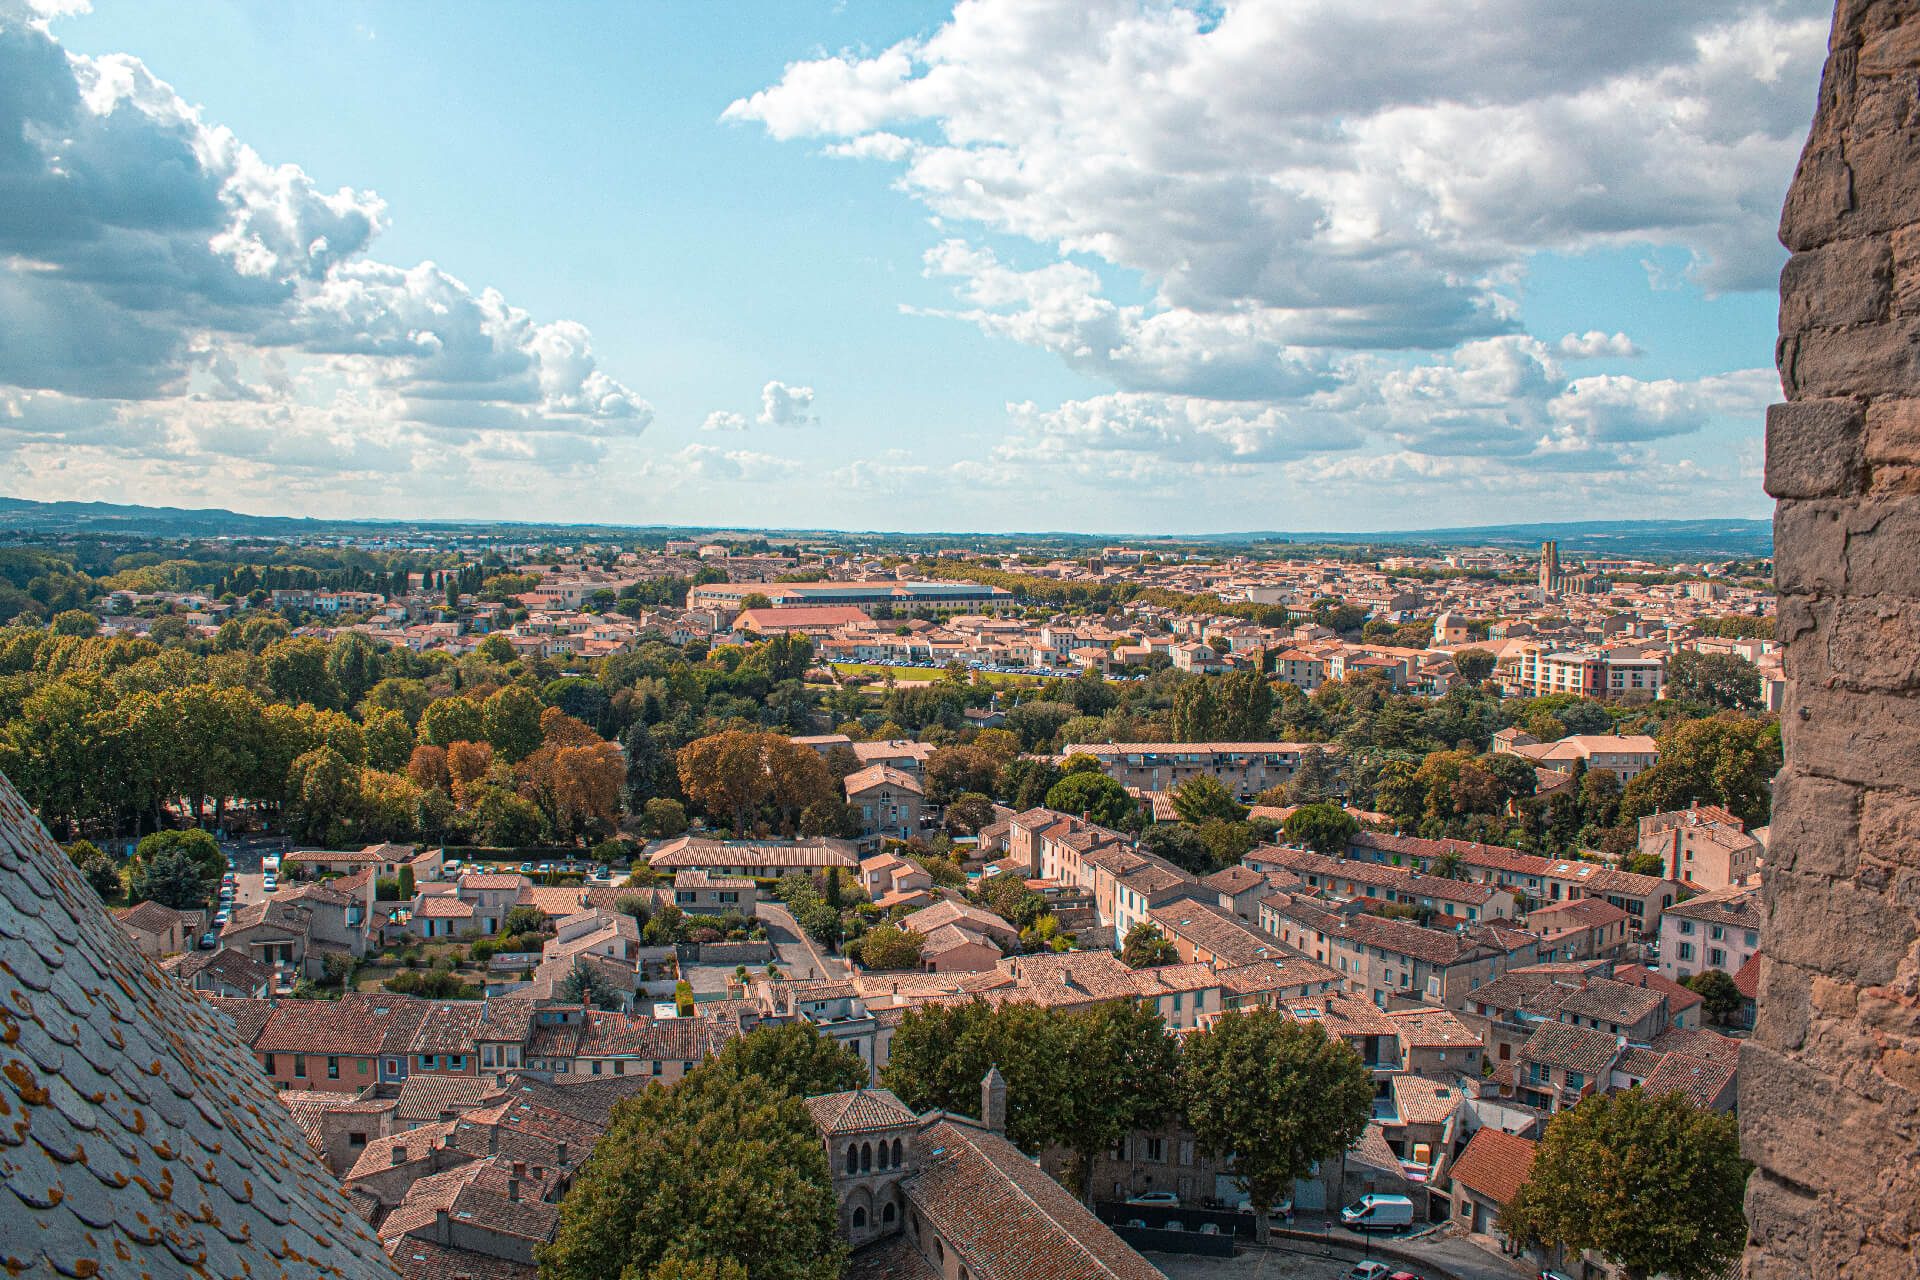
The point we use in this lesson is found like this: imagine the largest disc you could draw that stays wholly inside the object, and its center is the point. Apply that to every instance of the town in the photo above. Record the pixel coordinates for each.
(463, 853)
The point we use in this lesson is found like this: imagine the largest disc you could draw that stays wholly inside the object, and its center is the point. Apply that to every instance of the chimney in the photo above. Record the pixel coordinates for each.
(560, 1153)
(513, 1189)
(519, 1168)
(993, 1101)
(442, 1227)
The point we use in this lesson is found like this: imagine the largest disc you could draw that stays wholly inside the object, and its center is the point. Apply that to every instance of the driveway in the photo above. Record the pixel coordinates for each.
(798, 954)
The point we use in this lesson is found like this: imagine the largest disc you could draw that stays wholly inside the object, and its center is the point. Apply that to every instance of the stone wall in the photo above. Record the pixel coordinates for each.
(1830, 1084)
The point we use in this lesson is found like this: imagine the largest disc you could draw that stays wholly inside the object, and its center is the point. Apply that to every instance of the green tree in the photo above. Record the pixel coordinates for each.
(1726, 759)
(1024, 782)
(74, 622)
(450, 720)
(1145, 947)
(1654, 1184)
(1204, 796)
(940, 1054)
(1474, 665)
(1095, 795)
(1724, 680)
(510, 718)
(388, 740)
(171, 878)
(1125, 1072)
(792, 1057)
(321, 791)
(1720, 1000)
(714, 1170)
(887, 946)
(1324, 828)
(585, 984)
(196, 844)
(1274, 1097)
(1312, 782)
(296, 671)
(353, 664)
(99, 869)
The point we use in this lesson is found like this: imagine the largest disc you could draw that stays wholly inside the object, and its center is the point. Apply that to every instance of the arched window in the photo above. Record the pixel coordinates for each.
(880, 1155)
(887, 1212)
(866, 1156)
(896, 1153)
(853, 1159)
(859, 1217)
(939, 1250)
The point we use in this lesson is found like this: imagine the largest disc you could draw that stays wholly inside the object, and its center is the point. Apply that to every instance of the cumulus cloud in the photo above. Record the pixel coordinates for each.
(1595, 343)
(165, 289)
(1290, 233)
(724, 420)
(785, 406)
(704, 462)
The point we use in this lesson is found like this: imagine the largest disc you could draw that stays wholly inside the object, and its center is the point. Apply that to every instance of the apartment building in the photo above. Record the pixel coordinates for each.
(1395, 963)
(1713, 931)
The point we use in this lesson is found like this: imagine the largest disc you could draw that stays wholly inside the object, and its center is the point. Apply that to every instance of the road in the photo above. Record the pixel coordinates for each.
(798, 954)
(1289, 1259)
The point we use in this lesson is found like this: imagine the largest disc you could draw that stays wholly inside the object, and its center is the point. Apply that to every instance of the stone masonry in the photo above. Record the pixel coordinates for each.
(1830, 1083)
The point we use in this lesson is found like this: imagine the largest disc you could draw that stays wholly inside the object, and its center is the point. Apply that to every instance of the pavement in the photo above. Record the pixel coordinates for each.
(799, 955)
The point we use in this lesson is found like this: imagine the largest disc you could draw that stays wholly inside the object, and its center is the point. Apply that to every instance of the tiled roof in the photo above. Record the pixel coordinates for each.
(249, 1015)
(1676, 996)
(227, 965)
(427, 1098)
(1006, 1218)
(1703, 1080)
(1736, 908)
(424, 1260)
(1610, 1001)
(1432, 1029)
(1581, 1049)
(149, 917)
(1421, 1101)
(140, 1137)
(858, 1111)
(1203, 925)
(875, 775)
(1495, 1164)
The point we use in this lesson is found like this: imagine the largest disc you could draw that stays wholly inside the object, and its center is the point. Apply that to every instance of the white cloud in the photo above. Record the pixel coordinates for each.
(1596, 343)
(165, 291)
(785, 406)
(706, 462)
(724, 420)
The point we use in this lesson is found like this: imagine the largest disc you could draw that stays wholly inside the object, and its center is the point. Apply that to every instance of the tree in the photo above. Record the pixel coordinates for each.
(954, 771)
(1727, 759)
(1653, 1183)
(1312, 781)
(450, 720)
(353, 664)
(940, 1053)
(99, 869)
(1124, 1077)
(467, 766)
(888, 946)
(510, 719)
(1724, 680)
(1204, 796)
(793, 1057)
(1102, 800)
(968, 813)
(585, 984)
(296, 671)
(1145, 947)
(663, 819)
(171, 878)
(1324, 828)
(1474, 665)
(74, 622)
(196, 844)
(1023, 783)
(500, 819)
(716, 1169)
(1720, 1000)
(389, 741)
(321, 791)
(1274, 1097)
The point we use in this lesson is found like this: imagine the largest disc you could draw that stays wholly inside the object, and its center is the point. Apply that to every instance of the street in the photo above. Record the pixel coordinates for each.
(798, 954)
(1290, 1259)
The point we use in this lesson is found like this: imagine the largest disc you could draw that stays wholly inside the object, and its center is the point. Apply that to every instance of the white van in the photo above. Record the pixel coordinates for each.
(1378, 1213)
(270, 864)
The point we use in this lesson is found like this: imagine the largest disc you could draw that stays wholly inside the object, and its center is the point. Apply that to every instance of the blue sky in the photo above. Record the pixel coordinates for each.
(1100, 265)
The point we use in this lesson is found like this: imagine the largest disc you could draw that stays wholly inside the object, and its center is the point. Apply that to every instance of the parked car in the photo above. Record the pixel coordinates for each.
(1369, 1271)
(1166, 1198)
(209, 940)
(1554, 1275)
(221, 917)
(1378, 1213)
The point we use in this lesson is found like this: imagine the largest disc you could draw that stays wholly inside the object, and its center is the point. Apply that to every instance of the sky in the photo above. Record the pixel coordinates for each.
(1121, 266)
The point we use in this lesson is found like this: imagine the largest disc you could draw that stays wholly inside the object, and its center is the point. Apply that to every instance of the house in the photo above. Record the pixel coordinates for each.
(440, 915)
(1443, 900)
(1240, 889)
(959, 937)
(1395, 962)
(155, 930)
(224, 972)
(1704, 846)
(1486, 1177)
(885, 875)
(700, 894)
(490, 894)
(764, 858)
(1580, 929)
(1713, 931)
(1560, 1064)
(1245, 768)
(888, 802)
(1205, 934)
(1437, 1044)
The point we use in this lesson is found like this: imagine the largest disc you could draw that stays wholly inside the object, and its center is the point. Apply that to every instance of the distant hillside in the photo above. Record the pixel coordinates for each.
(1668, 539)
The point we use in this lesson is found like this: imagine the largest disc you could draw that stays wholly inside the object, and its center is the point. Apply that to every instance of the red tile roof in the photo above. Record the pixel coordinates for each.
(1495, 1164)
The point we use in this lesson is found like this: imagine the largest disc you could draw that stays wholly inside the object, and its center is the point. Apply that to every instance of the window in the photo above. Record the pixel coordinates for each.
(1186, 1151)
(266, 1060)
(1156, 1150)
(897, 1150)
(1686, 951)
(853, 1160)
(1753, 939)
(859, 1217)
(1717, 958)
(1575, 1080)
(393, 1066)
(300, 1066)
(356, 1139)
(333, 1067)
(360, 1066)
(866, 1157)
(887, 1212)
(1686, 927)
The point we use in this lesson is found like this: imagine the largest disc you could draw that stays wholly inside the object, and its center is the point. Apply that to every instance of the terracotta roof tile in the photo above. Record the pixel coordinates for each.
(1495, 1164)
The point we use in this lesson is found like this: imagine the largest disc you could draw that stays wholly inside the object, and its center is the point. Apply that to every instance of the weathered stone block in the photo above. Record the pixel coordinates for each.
(1838, 928)
(1869, 738)
(1809, 547)
(1821, 196)
(1885, 168)
(1893, 432)
(1871, 361)
(1890, 825)
(1816, 828)
(1815, 449)
(1845, 282)
(1883, 547)
(1874, 643)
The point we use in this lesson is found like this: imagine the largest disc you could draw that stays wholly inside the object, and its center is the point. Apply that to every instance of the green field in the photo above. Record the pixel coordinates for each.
(925, 674)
